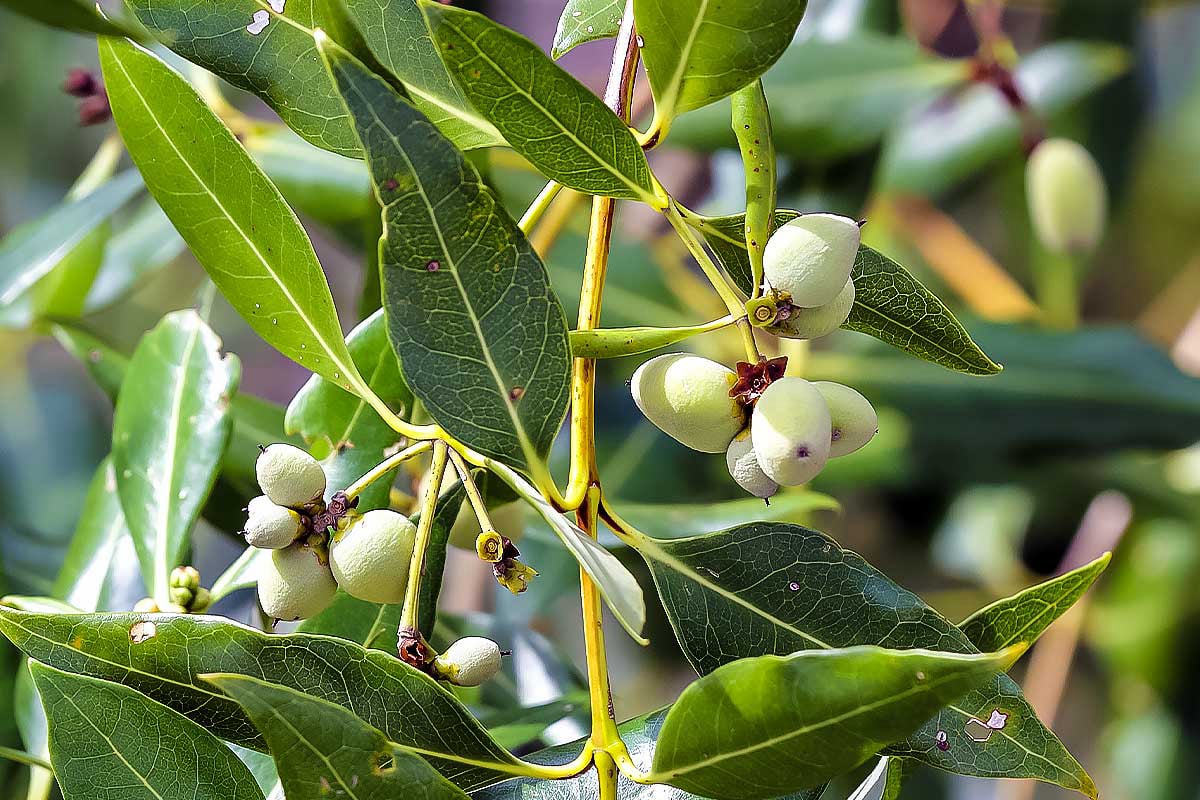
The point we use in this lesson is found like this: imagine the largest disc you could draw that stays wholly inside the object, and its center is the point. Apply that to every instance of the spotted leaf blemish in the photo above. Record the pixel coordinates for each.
(261, 19)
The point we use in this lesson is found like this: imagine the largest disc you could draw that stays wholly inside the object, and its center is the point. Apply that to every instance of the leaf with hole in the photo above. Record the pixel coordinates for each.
(470, 312)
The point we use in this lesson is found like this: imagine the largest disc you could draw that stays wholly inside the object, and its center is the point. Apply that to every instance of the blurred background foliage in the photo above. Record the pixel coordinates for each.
(974, 487)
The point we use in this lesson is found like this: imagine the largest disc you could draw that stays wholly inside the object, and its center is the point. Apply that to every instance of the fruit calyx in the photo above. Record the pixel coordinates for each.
(753, 379)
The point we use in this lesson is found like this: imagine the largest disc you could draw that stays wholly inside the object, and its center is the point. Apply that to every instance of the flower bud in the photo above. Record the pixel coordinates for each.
(201, 601)
(181, 596)
(743, 466)
(810, 257)
(81, 83)
(791, 431)
(290, 476)
(687, 397)
(271, 527)
(813, 323)
(147, 605)
(295, 583)
(370, 557)
(1068, 201)
(852, 418)
(507, 519)
(185, 577)
(470, 661)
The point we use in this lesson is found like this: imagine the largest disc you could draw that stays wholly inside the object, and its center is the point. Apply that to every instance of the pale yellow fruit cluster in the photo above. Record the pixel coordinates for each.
(806, 265)
(687, 397)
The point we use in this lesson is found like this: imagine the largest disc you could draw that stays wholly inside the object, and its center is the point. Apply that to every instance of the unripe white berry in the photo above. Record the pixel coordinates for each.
(743, 466)
(810, 257)
(508, 519)
(290, 476)
(813, 323)
(1068, 202)
(687, 397)
(852, 418)
(294, 584)
(370, 557)
(269, 526)
(470, 661)
(790, 429)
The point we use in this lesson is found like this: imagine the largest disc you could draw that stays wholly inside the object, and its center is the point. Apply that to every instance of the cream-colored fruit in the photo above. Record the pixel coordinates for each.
(852, 418)
(687, 397)
(1068, 201)
(470, 661)
(743, 466)
(508, 520)
(370, 558)
(790, 429)
(269, 526)
(294, 584)
(810, 257)
(290, 476)
(813, 323)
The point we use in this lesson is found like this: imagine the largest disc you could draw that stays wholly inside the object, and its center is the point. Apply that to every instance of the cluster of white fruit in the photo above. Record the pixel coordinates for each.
(775, 430)
(318, 546)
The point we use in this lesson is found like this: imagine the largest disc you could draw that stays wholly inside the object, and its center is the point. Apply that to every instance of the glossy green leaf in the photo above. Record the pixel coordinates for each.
(480, 334)
(232, 217)
(948, 141)
(817, 595)
(698, 51)
(79, 16)
(63, 293)
(545, 114)
(340, 427)
(163, 655)
(1024, 616)
(107, 740)
(585, 21)
(241, 574)
(396, 33)
(101, 562)
(830, 98)
(889, 303)
(321, 748)
(28, 254)
(761, 727)
(170, 427)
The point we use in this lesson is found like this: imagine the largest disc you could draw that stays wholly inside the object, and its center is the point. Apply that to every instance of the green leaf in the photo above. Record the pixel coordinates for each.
(950, 140)
(435, 554)
(170, 427)
(585, 21)
(698, 51)
(328, 187)
(163, 655)
(818, 595)
(321, 748)
(396, 34)
(80, 16)
(680, 520)
(241, 574)
(894, 307)
(480, 334)
(145, 245)
(544, 113)
(1024, 616)
(107, 740)
(100, 561)
(28, 254)
(344, 431)
(761, 727)
(889, 303)
(830, 98)
(232, 217)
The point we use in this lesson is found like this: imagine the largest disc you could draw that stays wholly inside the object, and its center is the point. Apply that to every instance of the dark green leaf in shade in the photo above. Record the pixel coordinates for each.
(107, 740)
(1024, 616)
(889, 303)
(340, 428)
(944, 143)
(698, 51)
(321, 749)
(761, 727)
(545, 114)
(230, 214)
(817, 595)
(80, 16)
(585, 21)
(481, 336)
(163, 655)
(170, 428)
(396, 34)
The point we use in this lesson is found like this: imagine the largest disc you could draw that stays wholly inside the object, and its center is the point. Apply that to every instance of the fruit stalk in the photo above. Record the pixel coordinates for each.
(412, 593)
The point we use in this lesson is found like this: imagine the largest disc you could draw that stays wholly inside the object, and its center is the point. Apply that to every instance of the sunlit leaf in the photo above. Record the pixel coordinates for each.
(80, 16)
(585, 21)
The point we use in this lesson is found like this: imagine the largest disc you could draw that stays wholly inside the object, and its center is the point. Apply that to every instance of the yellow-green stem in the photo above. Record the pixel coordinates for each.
(386, 466)
(416, 568)
(473, 495)
(539, 205)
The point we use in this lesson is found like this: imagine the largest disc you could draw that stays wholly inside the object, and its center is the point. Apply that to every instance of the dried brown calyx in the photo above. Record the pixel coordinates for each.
(753, 379)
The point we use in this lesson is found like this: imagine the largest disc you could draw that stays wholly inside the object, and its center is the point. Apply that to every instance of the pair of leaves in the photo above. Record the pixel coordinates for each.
(817, 595)
(889, 303)
(170, 427)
